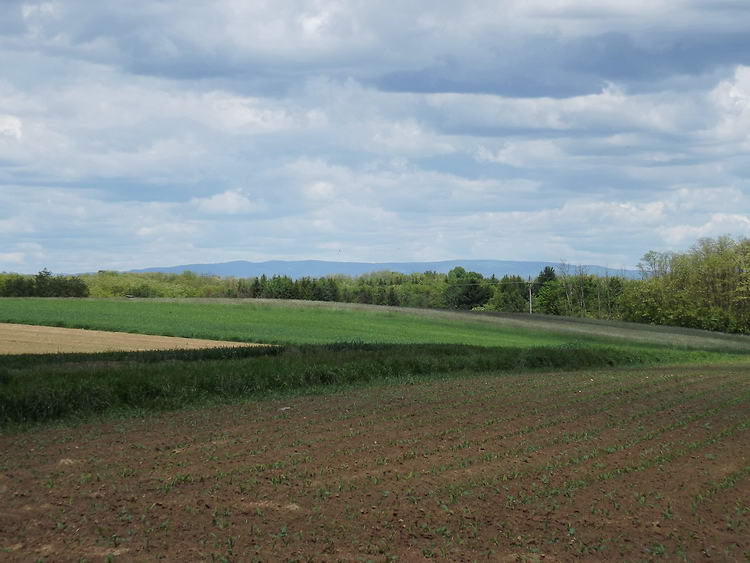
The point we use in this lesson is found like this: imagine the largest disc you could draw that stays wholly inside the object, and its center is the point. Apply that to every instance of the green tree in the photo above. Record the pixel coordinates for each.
(546, 275)
(391, 297)
(18, 286)
(509, 295)
(44, 284)
(465, 290)
(550, 298)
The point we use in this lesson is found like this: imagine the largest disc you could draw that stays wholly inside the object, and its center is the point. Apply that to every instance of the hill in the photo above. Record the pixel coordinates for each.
(319, 268)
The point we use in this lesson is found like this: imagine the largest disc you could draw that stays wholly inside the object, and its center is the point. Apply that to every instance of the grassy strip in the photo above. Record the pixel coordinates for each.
(23, 361)
(40, 393)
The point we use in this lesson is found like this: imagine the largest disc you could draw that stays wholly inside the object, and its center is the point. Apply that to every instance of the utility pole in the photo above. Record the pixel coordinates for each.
(531, 310)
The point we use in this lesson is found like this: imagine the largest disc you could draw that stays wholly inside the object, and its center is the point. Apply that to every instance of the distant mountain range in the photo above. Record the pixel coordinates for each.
(320, 268)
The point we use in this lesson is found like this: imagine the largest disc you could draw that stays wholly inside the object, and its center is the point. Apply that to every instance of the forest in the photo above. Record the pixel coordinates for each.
(706, 287)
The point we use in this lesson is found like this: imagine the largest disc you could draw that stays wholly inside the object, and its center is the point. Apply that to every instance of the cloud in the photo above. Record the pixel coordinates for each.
(524, 153)
(320, 191)
(11, 126)
(718, 224)
(231, 202)
(524, 49)
(194, 132)
(731, 102)
(12, 257)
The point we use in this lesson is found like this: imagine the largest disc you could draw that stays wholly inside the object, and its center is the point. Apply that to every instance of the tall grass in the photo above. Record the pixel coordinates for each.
(32, 391)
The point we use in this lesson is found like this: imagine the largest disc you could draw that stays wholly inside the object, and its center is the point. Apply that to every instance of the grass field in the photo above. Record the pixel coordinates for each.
(299, 322)
(267, 323)
(373, 434)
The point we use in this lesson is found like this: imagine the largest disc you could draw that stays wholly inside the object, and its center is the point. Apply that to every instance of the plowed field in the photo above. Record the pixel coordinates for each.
(635, 464)
(29, 339)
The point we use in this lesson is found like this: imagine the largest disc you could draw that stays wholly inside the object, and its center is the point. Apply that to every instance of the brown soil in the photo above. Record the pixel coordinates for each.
(608, 465)
(30, 339)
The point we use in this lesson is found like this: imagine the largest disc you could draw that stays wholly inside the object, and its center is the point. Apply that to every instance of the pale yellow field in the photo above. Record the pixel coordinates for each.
(31, 339)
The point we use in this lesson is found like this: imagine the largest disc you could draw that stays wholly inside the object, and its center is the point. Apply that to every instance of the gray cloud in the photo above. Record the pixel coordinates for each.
(479, 46)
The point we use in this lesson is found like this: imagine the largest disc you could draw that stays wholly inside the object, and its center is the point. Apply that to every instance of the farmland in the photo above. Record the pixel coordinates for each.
(425, 436)
(295, 322)
(27, 339)
(605, 463)
(246, 320)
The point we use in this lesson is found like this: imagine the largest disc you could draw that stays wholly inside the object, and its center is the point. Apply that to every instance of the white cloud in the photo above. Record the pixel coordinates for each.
(231, 202)
(320, 191)
(15, 226)
(166, 229)
(582, 217)
(11, 126)
(525, 153)
(36, 15)
(731, 100)
(405, 137)
(709, 199)
(607, 111)
(12, 257)
(718, 224)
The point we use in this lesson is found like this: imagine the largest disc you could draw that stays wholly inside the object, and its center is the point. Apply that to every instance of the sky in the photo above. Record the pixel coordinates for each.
(162, 132)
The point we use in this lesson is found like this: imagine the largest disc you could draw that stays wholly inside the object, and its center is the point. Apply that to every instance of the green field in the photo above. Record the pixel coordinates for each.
(280, 322)
(267, 323)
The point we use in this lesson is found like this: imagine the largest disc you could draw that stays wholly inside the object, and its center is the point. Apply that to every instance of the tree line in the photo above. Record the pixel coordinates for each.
(706, 287)
(43, 284)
